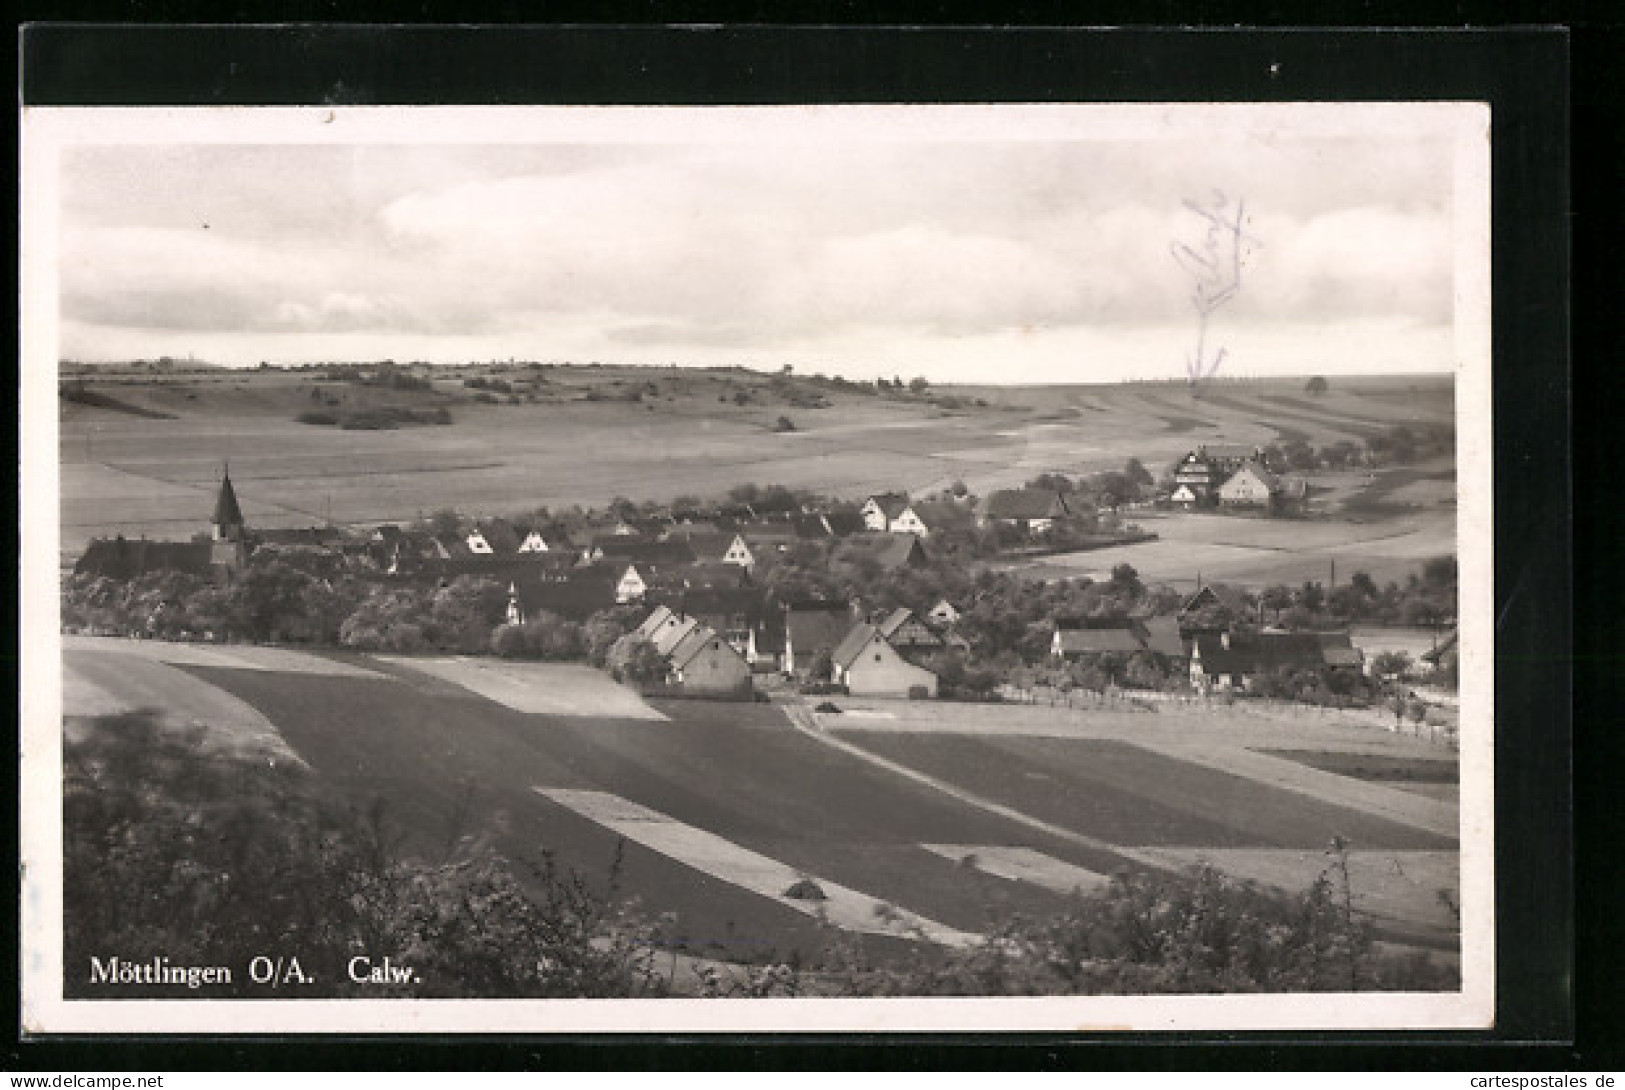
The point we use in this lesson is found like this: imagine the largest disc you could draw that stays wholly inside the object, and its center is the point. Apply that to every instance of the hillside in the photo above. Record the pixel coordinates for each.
(142, 453)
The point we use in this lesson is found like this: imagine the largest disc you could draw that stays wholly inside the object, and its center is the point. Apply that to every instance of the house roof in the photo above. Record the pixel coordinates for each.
(814, 630)
(768, 636)
(850, 647)
(720, 602)
(890, 503)
(668, 636)
(1222, 594)
(313, 536)
(621, 547)
(121, 558)
(499, 534)
(651, 624)
(942, 515)
(576, 599)
(1098, 640)
(707, 544)
(698, 640)
(1024, 503)
(1218, 659)
(896, 619)
(890, 551)
(811, 527)
(1257, 472)
(1161, 636)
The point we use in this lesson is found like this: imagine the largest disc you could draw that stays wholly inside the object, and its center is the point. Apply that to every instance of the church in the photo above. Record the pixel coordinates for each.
(220, 554)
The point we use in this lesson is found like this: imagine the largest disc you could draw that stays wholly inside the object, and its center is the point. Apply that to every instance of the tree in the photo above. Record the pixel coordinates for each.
(784, 423)
(1316, 386)
(919, 384)
(1390, 664)
(1126, 580)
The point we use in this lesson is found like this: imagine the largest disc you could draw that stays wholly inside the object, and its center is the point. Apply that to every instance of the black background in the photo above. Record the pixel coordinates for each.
(1557, 1002)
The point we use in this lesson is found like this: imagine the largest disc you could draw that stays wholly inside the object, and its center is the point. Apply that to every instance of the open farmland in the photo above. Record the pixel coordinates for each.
(576, 437)
(714, 806)
(1259, 552)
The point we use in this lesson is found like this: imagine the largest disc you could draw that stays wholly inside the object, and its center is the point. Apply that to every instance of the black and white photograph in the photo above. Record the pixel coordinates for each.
(850, 567)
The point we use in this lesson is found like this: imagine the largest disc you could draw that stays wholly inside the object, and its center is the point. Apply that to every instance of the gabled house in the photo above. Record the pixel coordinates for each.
(879, 510)
(733, 612)
(122, 559)
(943, 613)
(926, 517)
(1031, 509)
(614, 548)
(1229, 661)
(1250, 486)
(870, 666)
(703, 662)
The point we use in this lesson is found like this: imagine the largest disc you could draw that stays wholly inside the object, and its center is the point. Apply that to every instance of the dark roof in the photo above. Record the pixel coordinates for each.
(896, 619)
(706, 544)
(1024, 503)
(1220, 594)
(943, 514)
(1276, 650)
(620, 547)
(712, 573)
(890, 551)
(712, 602)
(1218, 659)
(695, 642)
(1099, 639)
(226, 511)
(500, 535)
(1161, 636)
(814, 630)
(844, 523)
(811, 527)
(313, 536)
(121, 558)
(769, 636)
(576, 599)
(892, 503)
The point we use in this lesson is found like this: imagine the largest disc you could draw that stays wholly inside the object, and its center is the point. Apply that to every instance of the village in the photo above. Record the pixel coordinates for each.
(890, 596)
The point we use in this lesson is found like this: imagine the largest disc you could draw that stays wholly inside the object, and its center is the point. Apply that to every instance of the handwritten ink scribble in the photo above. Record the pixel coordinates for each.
(1214, 265)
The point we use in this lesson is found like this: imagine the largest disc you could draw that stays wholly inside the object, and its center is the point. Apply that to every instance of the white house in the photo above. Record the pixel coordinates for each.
(534, 543)
(943, 612)
(879, 510)
(631, 586)
(1183, 495)
(1252, 484)
(739, 553)
(478, 544)
(869, 666)
(908, 521)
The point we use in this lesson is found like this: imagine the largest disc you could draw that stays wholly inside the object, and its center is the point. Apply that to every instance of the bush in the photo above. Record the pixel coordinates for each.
(784, 423)
(919, 692)
(317, 417)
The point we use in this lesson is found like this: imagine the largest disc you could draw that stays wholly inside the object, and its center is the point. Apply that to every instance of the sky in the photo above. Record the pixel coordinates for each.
(1000, 245)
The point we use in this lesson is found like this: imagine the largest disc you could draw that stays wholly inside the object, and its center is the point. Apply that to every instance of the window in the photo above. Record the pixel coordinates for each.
(877, 656)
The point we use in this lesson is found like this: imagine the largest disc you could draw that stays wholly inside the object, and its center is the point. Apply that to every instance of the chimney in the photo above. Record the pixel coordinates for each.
(1224, 640)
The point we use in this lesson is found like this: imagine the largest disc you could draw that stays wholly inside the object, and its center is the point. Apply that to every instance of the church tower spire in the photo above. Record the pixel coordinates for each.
(228, 516)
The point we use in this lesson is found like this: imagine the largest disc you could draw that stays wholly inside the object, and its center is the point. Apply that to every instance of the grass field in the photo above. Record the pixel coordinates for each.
(743, 801)
(132, 474)
(1261, 552)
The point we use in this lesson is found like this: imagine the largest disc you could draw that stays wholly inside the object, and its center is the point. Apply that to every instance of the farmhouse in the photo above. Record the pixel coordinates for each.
(703, 662)
(1215, 606)
(927, 517)
(1234, 661)
(869, 666)
(1198, 475)
(1250, 486)
(879, 510)
(1031, 509)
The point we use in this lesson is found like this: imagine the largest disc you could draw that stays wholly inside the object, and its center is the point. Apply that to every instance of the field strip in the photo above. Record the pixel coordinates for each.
(1401, 886)
(711, 854)
(537, 688)
(225, 656)
(98, 684)
(1023, 865)
(1367, 797)
(803, 721)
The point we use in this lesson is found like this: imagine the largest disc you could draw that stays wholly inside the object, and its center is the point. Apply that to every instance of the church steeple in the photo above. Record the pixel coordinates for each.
(228, 517)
